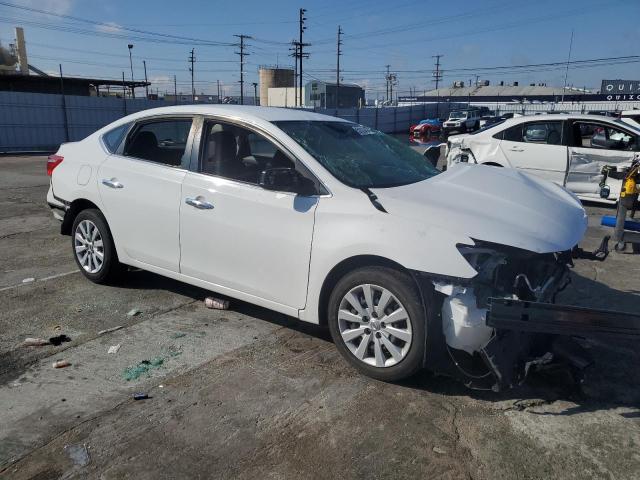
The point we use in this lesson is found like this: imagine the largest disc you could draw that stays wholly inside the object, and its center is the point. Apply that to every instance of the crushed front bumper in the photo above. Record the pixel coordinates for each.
(505, 323)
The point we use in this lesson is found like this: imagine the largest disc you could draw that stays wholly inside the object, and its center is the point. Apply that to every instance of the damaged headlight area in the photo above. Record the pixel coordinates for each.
(460, 341)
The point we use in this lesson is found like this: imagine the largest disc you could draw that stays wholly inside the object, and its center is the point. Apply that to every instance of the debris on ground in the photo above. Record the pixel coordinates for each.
(114, 349)
(35, 342)
(439, 450)
(133, 373)
(134, 312)
(59, 340)
(216, 303)
(57, 328)
(109, 330)
(79, 454)
(175, 336)
(61, 364)
(29, 280)
(140, 396)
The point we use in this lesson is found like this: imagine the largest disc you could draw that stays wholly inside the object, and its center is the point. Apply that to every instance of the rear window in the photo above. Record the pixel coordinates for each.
(113, 138)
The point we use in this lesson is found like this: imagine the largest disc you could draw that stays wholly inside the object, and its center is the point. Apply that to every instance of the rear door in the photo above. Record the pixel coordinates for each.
(537, 147)
(594, 145)
(140, 187)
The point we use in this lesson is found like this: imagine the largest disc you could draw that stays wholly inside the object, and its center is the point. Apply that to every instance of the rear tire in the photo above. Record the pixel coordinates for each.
(93, 247)
(395, 333)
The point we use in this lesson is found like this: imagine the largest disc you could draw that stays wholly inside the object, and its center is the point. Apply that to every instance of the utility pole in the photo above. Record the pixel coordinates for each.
(294, 53)
(146, 87)
(218, 82)
(566, 73)
(386, 77)
(255, 93)
(133, 91)
(338, 68)
(192, 59)
(175, 90)
(437, 73)
(302, 45)
(242, 55)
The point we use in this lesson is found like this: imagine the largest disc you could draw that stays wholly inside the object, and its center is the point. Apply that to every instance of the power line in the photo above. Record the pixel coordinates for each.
(110, 25)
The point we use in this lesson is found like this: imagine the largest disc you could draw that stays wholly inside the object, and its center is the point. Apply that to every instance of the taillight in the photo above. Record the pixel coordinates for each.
(52, 162)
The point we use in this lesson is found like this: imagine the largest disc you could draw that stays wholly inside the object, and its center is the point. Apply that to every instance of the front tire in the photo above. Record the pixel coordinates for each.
(93, 247)
(378, 324)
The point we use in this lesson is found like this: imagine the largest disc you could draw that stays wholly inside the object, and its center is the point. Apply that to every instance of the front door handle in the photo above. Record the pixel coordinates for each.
(199, 202)
(517, 149)
(112, 183)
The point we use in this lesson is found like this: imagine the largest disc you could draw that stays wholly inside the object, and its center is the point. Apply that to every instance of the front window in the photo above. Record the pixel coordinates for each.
(457, 115)
(359, 156)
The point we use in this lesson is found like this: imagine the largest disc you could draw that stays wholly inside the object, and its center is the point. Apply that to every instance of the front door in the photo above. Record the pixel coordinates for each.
(538, 148)
(140, 187)
(234, 233)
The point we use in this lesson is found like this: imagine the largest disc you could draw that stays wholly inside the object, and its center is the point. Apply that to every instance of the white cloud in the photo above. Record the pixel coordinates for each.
(62, 7)
(109, 27)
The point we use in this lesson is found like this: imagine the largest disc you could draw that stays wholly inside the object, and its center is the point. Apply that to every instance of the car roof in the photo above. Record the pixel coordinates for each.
(245, 112)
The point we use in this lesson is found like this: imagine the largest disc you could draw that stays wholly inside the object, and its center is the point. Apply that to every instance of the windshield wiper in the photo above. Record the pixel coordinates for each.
(374, 199)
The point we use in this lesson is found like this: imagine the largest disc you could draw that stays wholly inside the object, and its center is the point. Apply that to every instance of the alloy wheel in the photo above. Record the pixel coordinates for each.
(89, 246)
(374, 325)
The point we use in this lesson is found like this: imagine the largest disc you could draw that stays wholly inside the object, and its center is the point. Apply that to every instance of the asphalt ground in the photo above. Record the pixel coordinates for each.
(248, 393)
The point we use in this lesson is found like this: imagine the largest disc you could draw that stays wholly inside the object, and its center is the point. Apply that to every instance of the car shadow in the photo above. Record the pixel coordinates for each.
(613, 380)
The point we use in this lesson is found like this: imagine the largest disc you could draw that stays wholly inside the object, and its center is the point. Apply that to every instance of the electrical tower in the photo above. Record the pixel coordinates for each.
(437, 73)
(192, 60)
(242, 54)
(340, 32)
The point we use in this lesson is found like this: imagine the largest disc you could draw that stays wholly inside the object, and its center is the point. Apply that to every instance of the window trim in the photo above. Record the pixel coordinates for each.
(137, 124)
(198, 146)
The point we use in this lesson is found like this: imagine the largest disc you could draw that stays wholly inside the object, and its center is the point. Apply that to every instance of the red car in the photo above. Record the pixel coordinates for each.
(425, 127)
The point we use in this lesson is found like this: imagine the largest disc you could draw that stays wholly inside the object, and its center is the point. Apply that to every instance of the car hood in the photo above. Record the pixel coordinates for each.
(496, 205)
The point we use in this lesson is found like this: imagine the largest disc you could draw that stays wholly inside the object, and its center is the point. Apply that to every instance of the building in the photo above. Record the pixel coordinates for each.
(323, 95)
(274, 78)
(15, 76)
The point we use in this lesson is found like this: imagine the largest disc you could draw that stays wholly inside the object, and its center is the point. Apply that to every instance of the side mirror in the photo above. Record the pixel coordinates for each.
(285, 179)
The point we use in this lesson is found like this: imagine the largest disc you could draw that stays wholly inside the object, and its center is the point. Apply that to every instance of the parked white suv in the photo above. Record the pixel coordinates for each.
(462, 121)
(570, 150)
(318, 218)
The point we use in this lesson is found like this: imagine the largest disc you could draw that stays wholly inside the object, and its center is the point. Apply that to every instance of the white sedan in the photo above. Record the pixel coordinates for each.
(318, 218)
(570, 150)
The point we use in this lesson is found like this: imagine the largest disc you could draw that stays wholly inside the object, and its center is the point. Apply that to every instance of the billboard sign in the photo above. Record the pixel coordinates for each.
(620, 87)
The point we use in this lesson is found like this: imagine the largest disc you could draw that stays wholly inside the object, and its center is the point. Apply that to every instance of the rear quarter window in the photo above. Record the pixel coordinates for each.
(113, 138)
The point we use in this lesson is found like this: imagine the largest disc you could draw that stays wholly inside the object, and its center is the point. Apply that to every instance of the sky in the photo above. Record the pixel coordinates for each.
(472, 37)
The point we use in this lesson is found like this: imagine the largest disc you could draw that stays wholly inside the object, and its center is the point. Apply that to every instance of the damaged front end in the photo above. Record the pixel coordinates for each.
(463, 344)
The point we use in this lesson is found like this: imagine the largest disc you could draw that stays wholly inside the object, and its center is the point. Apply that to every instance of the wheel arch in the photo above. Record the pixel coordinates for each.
(74, 209)
(341, 269)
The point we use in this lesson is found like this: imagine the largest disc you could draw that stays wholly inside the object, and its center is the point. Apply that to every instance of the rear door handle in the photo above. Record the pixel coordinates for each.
(199, 202)
(517, 149)
(112, 183)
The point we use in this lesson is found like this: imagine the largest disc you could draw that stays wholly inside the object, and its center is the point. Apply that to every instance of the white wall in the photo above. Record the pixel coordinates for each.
(283, 96)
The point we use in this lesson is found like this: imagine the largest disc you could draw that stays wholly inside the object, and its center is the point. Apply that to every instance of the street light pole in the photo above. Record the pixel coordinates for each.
(133, 91)
(255, 93)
